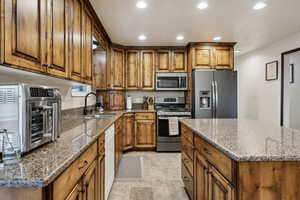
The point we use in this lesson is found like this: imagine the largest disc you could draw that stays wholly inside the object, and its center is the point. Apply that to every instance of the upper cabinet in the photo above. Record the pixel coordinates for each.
(171, 61)
(116, 73)
(212, 56)
(25, 28)
(140, 70)
(58, 44)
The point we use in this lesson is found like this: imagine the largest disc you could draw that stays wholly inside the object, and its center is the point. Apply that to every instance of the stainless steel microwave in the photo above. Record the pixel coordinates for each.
(171, 81)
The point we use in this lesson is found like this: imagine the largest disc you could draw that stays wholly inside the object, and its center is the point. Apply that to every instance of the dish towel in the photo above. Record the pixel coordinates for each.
(173, 126)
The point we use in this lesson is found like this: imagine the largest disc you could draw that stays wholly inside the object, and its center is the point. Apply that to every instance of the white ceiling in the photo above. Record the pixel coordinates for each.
(234, 20)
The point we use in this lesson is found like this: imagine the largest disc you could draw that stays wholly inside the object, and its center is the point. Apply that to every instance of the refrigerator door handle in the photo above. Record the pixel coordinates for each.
(213, 99)
(291, 81)
(217, 98)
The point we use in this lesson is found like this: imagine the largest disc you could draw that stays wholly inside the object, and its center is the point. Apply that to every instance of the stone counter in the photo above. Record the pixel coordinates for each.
(248, 140)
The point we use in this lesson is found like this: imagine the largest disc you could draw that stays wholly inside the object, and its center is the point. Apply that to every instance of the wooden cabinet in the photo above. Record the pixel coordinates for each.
(118, 142)
(116, 75)
(200, 177)
(90, 182)
(87, 48)
(113, 100)
(171, 61)
(129, 131)
(140, 70)
(132, 69)
(76, 39)
(25, 29)
(101, 168)
(76, 193)
(147, 70)
(99, 64)
(145, 131)
(212, 56)
(163, 61)
(58, 49)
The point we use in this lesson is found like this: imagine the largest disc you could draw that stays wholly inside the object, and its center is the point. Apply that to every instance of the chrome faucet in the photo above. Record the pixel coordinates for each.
(85, 102)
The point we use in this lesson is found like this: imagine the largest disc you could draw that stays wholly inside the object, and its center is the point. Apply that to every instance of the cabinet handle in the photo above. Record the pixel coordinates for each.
(83, 165)
(206, 151)
(86, 184)
(82, 191)
(186, 178)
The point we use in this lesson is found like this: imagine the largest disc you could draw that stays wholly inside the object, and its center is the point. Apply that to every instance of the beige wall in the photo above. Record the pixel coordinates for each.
(14, 76)
(257, 98)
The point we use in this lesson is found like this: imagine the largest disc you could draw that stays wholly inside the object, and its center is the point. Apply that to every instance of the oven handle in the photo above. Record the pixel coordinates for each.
(167, 117)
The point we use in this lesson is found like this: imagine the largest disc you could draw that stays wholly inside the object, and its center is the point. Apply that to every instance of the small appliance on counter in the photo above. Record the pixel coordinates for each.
(128, 102)
(31, 113)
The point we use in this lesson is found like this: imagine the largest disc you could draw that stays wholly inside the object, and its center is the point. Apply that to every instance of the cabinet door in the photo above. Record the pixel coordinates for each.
(179, 61)
(90, 183)
(202, 57)
(25, 27)
(76, 193)
(76, 39)
(117, 69)
(58, 51)
(219, 188)
(87, 48)
(223, 57)
(132, 69)
(101, 177)
(99, 63)
(201, 183)
(163, 61)
(145, 133)
(129, 131)
(118, 142)
(116, 100)
(147, 70)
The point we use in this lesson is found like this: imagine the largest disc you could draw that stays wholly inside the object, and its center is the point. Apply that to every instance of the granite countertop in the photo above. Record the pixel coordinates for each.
(43, 165)
(248, 140)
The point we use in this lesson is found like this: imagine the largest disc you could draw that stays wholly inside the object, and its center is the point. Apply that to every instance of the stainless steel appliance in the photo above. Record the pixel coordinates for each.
(214, 94)
(169, 109)
(33, 112)
(171, 81)
(290, 113)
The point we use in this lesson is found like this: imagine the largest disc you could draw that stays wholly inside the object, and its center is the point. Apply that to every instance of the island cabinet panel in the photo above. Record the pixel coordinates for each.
(201, 189)
(58, 51)
(179, 61)
(268, 180)
(116, 70)
(76, 39)
(87, 48)
(163, 61)
(25, 28)
(147, 70)
(129, 132)
(132, 69)
(187, 181)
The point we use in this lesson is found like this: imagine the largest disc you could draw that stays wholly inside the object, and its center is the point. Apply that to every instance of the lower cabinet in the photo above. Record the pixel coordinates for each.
(76, 193)
(90, 182)
(101, 177)
(118, 142)
(128, 127)
(145, 130)
(200, 177)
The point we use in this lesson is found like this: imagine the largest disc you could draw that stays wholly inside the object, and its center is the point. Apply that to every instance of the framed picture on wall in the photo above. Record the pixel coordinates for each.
(272, 71)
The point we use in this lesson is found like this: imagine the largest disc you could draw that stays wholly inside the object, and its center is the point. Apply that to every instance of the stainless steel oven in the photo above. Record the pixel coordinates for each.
(32, 113)
(171, 81)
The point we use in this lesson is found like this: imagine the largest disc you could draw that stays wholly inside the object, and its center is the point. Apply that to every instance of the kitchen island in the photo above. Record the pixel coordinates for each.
(240, 159)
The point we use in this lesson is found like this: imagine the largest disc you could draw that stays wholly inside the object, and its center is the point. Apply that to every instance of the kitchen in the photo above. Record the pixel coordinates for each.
(121, 100)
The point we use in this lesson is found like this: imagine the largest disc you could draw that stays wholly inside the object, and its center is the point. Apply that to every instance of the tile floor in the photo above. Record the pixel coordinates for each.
(161, 180)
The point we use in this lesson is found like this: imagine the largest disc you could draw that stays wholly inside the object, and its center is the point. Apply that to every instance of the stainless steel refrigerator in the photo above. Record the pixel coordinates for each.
(290, 113)
(214, 94)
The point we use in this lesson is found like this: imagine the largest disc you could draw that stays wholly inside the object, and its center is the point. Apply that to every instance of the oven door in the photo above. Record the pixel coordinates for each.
(163, 128)
(171, 81)
(41, 125)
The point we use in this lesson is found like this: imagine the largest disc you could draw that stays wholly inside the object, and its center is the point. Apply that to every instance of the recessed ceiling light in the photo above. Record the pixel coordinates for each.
(141, 4)
(202, 5)
(259, 5)
(217, 38)
(179, 37)
(142, 37)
